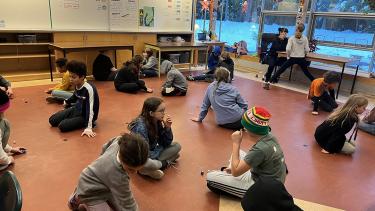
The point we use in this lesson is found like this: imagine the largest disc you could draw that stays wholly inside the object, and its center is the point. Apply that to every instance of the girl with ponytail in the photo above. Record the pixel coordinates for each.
(225, 100)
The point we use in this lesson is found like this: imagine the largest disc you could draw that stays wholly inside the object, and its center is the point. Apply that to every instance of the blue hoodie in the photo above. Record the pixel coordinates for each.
(213, 59)
(226, 102)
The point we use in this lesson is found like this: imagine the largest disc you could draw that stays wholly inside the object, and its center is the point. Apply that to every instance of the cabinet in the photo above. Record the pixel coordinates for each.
(25, 61)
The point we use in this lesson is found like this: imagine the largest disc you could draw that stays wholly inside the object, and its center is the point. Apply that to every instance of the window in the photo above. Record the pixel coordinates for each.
(344, 6)
(239, 22)
(345, 31)
(363, 57)
(273, 22)
(283, 5)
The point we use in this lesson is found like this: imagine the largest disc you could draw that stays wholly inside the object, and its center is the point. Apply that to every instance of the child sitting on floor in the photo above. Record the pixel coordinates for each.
(368, 123)
(330, 135)
(213, 61)
(84, 112)
(155, 127)
(6, 87)
(127, 79)
(150, 64)
(227, 62)
(225, 100)
(103, 68)
(105, 184)
(6, 150)
(63, 90)
(322, 92)
(264, 159)
(176, 84)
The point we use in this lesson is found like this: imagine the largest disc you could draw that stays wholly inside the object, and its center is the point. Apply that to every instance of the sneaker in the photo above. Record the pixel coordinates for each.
(315, 113)
(51, 99)
(266, 85)
(157, 174)
(190, 78)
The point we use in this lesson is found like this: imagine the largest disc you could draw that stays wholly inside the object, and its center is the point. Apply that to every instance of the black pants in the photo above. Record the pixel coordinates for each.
(326, 102)
(300, 61)
(233, 126)
(175, 92)
(149, 73)
(209, 75)
(131, 87)
(273, 61)
(67, 120)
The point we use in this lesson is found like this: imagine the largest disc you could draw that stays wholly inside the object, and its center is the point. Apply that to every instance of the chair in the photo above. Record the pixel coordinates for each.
(10, 192)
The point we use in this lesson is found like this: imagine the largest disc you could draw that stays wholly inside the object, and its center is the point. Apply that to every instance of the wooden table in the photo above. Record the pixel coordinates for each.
(185, 46)
(79, 47)
(335, 60)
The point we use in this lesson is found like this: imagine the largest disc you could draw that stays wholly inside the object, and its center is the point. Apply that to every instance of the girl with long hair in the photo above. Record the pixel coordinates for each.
(330, 135)
(226, 101)
(154, 125)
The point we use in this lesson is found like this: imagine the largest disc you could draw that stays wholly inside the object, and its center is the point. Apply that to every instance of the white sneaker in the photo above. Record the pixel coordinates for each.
(157, 174)
(266, 85)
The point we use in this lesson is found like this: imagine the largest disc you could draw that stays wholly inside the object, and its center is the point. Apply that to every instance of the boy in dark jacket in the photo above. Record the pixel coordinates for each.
(227, 62)
(86, 108)
(212, 63)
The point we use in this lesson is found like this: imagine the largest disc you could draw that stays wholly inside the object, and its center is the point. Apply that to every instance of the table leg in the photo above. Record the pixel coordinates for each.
(354, 79)
(115, 59)
(205, 67)
(192, 55)
(342, 74)
(159, 61)
(64, 52)
(50, 64)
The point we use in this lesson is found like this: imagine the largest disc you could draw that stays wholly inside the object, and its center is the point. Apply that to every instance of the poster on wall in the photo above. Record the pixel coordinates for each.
(147, 16)
(123, 15)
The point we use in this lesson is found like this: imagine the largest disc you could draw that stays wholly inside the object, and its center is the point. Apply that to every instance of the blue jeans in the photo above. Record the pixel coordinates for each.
(149, 73)
(63, 95)
(367, 127)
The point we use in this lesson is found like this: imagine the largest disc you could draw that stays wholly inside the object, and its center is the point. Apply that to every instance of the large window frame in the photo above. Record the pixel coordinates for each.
(312, 16)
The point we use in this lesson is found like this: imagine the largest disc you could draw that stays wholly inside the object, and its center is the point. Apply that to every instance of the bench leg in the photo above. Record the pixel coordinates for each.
(354, 79)
(342, 74)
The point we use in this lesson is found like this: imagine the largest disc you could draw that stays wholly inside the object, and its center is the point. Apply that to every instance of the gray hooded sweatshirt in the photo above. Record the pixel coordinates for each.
(174, 76)
(106, 180)
(226, 102)
(297, 48)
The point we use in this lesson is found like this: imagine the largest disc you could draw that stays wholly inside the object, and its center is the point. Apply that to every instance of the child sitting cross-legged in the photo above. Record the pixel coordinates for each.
(368, 123)
(322, 92)
(63, 90)
(85, 98)
(154, 125)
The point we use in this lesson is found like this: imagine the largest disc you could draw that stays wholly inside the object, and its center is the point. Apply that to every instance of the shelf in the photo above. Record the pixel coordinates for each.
(23, 44)
(25, 75)
(24, 56)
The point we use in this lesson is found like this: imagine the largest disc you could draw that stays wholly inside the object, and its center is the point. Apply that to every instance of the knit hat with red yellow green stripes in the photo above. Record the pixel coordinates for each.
(256, 120)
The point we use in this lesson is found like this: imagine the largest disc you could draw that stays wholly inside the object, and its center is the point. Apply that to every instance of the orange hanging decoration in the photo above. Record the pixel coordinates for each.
(205, 5)
(244, 7)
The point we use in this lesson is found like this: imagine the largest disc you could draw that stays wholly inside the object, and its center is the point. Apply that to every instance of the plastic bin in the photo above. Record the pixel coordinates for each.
(174, 58)
(26, 38)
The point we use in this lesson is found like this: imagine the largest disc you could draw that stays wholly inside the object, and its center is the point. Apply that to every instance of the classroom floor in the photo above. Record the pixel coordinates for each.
(48, 173)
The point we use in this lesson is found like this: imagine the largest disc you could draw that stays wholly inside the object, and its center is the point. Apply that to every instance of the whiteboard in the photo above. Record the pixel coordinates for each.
(81, 15)
(123, 15)
(24, 15)
(165, 15)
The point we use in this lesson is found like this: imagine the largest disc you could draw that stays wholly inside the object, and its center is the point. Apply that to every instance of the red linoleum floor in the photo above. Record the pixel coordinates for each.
(49, 171)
